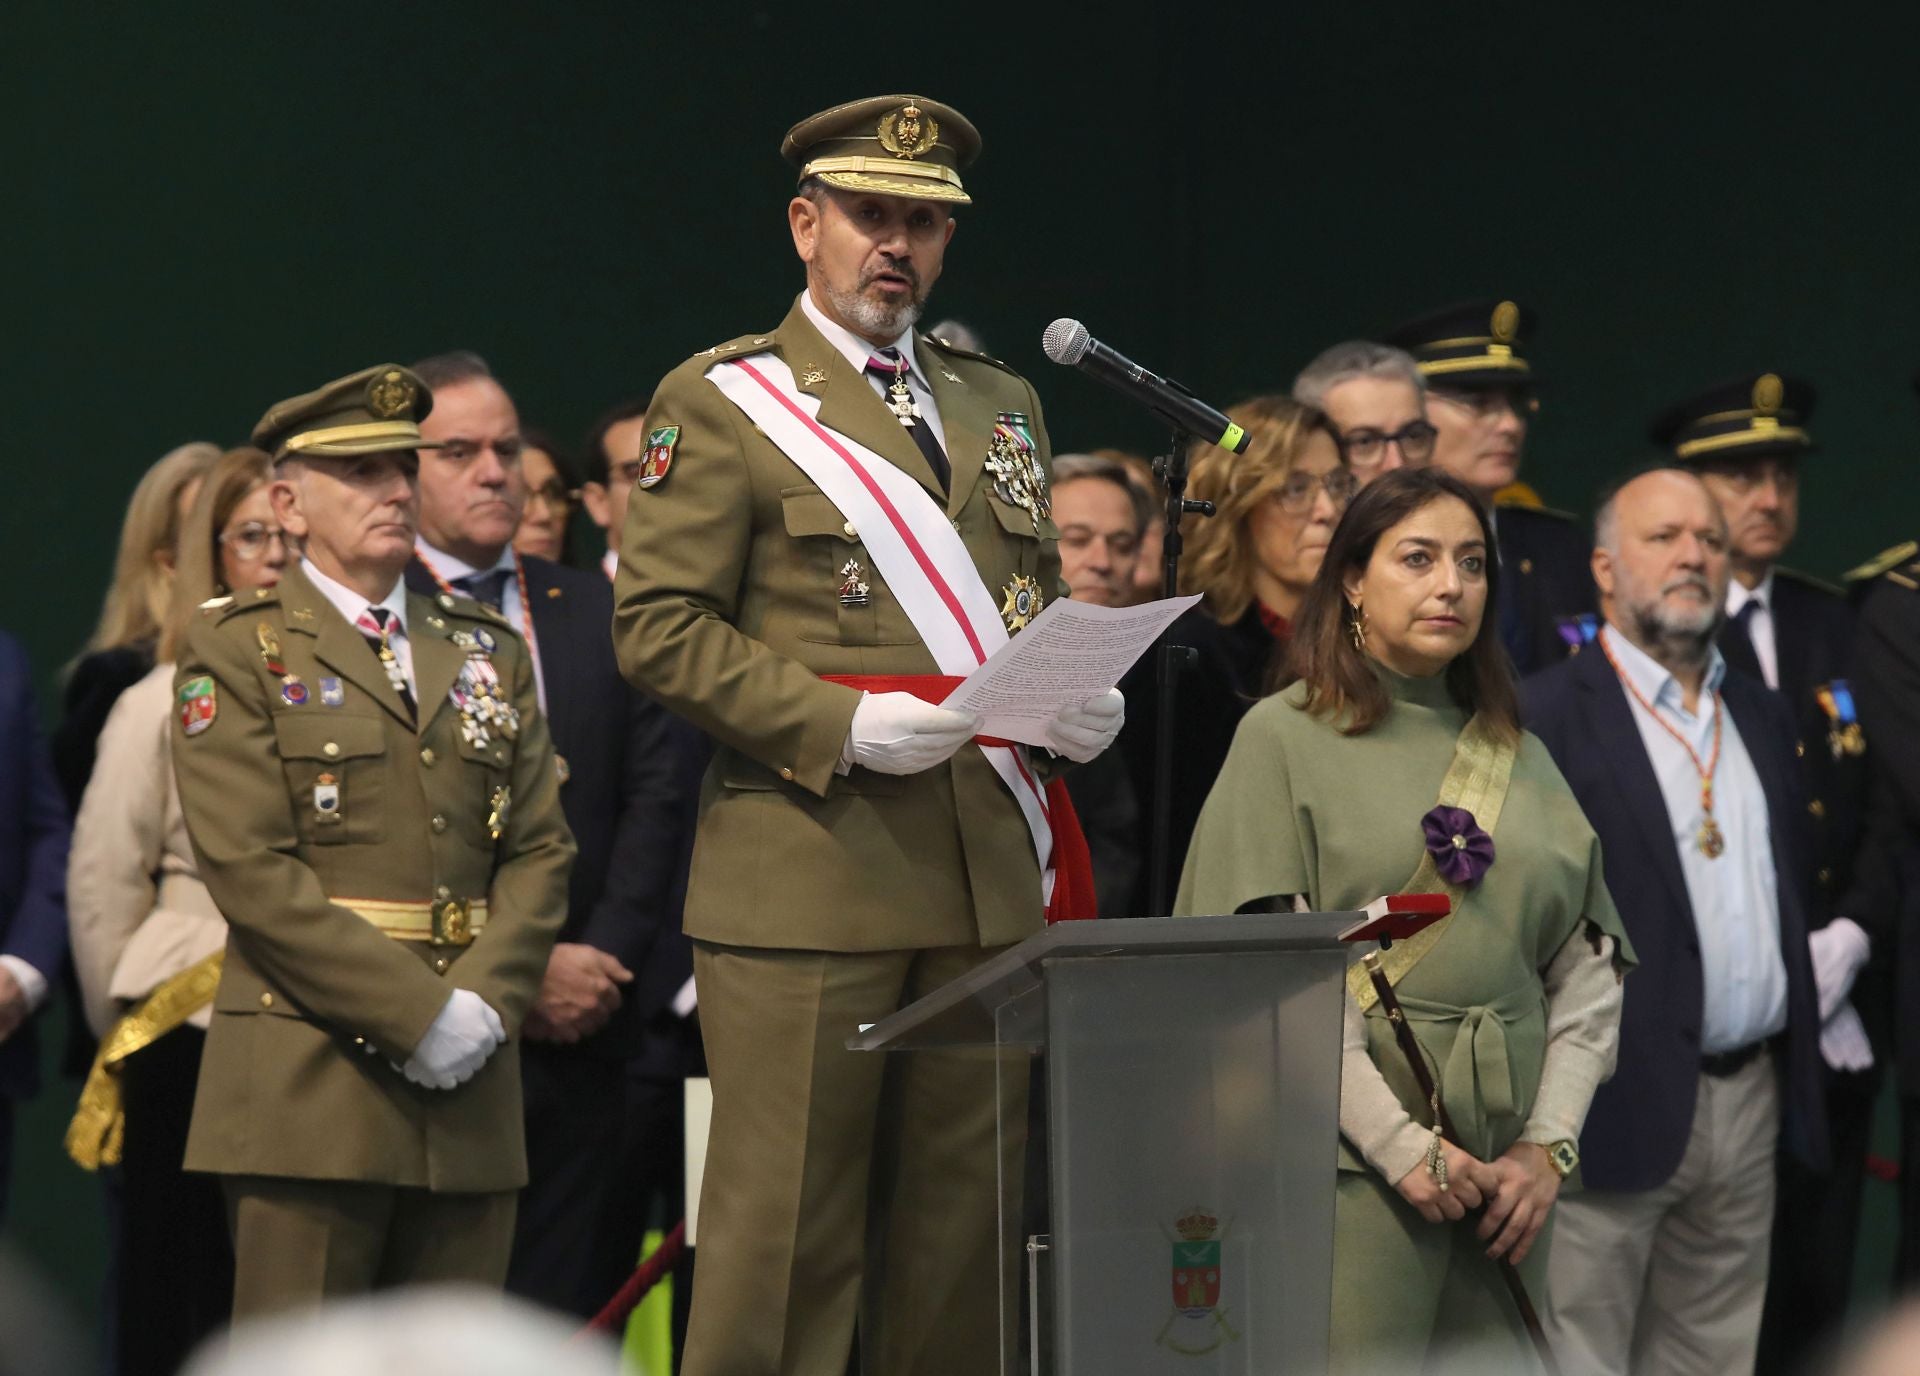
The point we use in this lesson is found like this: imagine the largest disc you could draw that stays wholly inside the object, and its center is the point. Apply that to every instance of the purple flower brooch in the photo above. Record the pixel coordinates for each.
(1461, 851)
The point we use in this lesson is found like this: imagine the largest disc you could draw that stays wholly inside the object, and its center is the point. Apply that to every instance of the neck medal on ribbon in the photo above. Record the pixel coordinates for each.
(1014, 461)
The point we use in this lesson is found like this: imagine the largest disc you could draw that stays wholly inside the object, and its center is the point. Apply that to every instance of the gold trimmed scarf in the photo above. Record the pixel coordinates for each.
(1477, 781)
(98, 1130)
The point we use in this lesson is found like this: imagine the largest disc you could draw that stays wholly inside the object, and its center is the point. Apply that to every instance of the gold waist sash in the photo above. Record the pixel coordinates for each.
(442, 921)
(98, 1130)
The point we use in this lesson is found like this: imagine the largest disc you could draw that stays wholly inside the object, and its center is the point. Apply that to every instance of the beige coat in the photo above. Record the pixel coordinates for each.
(317, 1006)
(137, 911)
(727, 611)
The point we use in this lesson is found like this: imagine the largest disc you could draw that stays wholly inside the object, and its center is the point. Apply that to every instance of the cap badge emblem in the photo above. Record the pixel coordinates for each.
(1506, 322)
(908, 132)
(391, 395)
(1768, 393)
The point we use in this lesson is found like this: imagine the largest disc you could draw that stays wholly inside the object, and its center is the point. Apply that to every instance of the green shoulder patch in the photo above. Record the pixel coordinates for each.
(658, 456)
(199, 704)
(1883, 562)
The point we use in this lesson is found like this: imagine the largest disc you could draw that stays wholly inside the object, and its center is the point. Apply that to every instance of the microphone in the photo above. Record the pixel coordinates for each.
(1067, 341)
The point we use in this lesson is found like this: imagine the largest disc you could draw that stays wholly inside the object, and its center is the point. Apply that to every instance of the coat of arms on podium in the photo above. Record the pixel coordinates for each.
(1198, 1323)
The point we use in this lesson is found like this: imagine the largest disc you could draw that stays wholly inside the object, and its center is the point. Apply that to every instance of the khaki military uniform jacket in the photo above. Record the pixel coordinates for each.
(317, 1005)
(727, 611)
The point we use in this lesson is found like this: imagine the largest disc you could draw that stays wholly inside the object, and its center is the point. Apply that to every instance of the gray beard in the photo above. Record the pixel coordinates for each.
(1675, 644)
(870, 318)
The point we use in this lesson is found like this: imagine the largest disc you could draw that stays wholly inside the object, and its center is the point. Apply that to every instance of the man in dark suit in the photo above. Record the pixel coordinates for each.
(629, 775)
(1481, 402)
(1687, 773)
(33, 888)
(1746, 439)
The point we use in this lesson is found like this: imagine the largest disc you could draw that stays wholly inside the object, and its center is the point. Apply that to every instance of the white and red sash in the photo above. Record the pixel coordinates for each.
(911, 542)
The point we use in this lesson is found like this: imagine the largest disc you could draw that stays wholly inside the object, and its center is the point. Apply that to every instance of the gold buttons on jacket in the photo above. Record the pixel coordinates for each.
(440, 965)
(1825, 876)
(786, 773)
(443, 892)
(331, 750)
(439, 823)
(266, 1000)
(1817, 808)
(427, 756)
(1799, 750)
(851, 533)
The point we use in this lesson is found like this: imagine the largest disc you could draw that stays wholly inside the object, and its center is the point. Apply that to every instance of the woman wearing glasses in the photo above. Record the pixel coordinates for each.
(1252, 562)
(146, 945)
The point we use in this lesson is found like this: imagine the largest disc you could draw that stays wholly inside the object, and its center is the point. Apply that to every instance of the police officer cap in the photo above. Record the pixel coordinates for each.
(369, 412)
(888, 146)
(1470, 346)
(1748, 417)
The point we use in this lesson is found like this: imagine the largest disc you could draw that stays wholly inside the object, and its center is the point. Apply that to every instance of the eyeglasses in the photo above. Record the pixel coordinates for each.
(1368, 447)
(1296, 494)
(556, 494)
(1491, 402)
(250, 541)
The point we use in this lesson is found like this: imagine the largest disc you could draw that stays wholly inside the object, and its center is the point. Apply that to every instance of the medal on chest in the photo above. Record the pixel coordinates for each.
(292, 691)
(485, 712)
(1014, 461)
(900, 399)
(1844, 736)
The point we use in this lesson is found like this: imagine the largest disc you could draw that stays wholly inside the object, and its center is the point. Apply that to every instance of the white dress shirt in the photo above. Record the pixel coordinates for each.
(511, 605)
(1736, 897)
(1759, 623)
(350, 604)
(33, 984)
(857, 351)
(610, 563)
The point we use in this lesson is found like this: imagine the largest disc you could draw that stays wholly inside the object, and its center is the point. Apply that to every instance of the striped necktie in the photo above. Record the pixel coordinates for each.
(377, 624)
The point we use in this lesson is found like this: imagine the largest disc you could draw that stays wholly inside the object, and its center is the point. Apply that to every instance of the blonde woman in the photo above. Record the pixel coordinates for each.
(121, 648)
(1253, 562)
(145, 934)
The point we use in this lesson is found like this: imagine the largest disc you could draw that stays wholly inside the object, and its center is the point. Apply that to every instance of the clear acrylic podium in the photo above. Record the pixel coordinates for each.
(1192, 1117)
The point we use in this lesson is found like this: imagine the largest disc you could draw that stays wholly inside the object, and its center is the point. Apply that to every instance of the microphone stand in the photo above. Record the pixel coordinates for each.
(1173, 659)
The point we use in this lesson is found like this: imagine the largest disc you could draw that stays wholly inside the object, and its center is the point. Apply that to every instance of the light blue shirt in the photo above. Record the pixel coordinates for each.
(1735, 898)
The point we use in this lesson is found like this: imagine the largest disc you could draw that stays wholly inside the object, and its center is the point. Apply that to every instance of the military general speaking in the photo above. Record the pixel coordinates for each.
(827, 875)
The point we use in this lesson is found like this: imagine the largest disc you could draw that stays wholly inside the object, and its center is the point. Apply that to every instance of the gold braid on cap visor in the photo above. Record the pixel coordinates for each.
(892, 167)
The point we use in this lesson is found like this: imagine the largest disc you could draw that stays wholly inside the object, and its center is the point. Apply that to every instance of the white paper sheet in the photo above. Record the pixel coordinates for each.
(1073, 651)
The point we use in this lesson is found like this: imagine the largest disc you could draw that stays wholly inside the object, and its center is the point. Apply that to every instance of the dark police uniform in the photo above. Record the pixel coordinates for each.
(1886, 666)
(1547, 609)
(1751, 418)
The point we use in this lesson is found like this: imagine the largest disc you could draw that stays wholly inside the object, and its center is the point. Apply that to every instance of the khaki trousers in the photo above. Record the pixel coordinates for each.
(841, 1182)
(1671, 1280)
(297, 1243)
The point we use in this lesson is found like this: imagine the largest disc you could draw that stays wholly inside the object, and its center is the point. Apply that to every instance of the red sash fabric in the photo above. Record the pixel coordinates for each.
(1073, 894)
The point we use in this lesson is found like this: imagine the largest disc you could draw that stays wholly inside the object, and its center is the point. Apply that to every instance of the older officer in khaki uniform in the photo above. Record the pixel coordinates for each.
(855, 848)
(372, 796)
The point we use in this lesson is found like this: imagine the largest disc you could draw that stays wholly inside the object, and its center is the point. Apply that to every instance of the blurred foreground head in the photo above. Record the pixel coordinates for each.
(449, 1331)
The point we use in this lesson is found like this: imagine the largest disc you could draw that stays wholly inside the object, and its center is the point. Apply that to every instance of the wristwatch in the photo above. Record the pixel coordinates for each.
(1564, 1155)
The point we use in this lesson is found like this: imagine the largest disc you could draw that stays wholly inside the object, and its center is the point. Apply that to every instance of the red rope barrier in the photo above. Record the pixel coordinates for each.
(645, 1276)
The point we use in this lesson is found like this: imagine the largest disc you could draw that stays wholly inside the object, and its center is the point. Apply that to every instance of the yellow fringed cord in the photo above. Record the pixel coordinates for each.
(97, 1133)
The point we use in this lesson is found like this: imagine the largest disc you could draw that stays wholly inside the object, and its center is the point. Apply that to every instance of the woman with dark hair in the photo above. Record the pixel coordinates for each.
(546, 521)
(1394, 764)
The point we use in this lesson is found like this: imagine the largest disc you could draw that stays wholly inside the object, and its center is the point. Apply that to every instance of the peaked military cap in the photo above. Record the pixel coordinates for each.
(368, 412)
(1751, 416)
(887, 145)
(1472, 345)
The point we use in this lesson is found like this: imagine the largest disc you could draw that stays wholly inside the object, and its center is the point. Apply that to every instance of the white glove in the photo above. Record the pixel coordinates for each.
(896, 733)
(1843, 1041)
(1082, 732)
(458, 1041)
(1839, 950)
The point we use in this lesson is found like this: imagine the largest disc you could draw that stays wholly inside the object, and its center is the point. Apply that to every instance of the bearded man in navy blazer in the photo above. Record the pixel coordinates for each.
(618, 985)
(1688, 774)
(33, 888)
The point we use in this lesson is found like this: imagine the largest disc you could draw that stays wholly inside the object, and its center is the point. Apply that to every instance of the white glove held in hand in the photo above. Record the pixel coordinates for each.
(458, 1042)
(896, 733)
(1839, 949)
(1082, 732)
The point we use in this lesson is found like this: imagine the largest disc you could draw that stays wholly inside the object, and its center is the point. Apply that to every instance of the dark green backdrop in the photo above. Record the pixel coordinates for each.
(211, 208)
